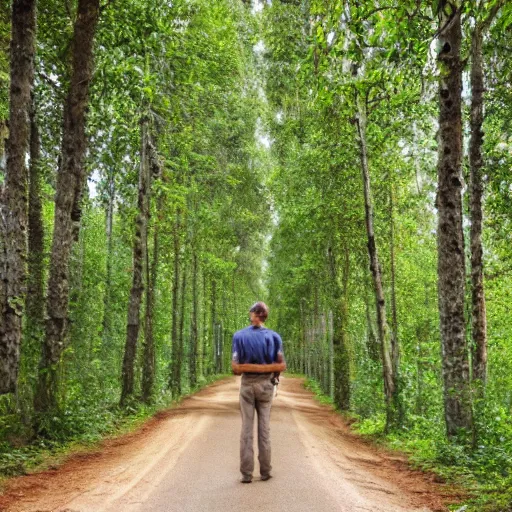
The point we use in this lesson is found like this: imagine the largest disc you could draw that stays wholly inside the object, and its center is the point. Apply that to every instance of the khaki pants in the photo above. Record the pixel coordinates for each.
(256, 393)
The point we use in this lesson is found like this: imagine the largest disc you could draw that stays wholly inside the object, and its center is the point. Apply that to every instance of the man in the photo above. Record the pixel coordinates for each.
(258, 356)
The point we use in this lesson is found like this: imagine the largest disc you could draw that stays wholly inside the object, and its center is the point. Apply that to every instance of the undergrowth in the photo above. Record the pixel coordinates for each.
(484, 470)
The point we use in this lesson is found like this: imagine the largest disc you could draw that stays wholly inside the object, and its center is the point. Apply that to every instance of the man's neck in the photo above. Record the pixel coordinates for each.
(257, 324)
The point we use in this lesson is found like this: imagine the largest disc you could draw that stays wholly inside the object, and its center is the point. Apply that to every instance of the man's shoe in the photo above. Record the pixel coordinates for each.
(264, 478)
(246, 479)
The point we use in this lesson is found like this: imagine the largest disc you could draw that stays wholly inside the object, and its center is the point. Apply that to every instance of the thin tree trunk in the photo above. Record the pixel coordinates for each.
(174, 377)
(330, 329)
(302, 325)
(204, 366)
(181, 343)
(372, 343)
(383, 328)
(450, 242)
(35, 288)
(193, 330)
(214, 324)
(106, 333)
(340, 345)
(395, 348)
(479, 317)
(149, 359)
(140, 251)
(395, 345)
(14, 198)
(70, 183)
(149, 362)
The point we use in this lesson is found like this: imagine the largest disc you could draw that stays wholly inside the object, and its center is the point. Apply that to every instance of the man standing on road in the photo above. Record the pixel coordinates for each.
(258, 356)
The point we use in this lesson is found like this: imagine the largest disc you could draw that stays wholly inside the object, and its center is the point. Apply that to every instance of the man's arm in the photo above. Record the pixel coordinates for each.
(235, 356)
(238, 368)
(279, 359)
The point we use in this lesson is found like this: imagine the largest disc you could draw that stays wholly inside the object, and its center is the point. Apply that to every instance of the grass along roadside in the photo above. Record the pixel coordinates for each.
(483, 472)
(20, 457)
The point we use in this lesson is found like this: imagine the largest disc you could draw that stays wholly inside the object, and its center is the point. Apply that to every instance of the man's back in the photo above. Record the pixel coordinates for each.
(257, 345)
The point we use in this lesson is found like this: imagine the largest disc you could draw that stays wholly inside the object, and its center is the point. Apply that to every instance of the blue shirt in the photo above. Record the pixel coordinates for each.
(256, 345)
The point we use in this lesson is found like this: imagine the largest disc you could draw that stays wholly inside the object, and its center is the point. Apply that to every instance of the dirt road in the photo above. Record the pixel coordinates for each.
(186, 460)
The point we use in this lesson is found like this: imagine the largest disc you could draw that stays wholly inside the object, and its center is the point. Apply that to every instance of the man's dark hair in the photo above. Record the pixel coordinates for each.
(260, 309)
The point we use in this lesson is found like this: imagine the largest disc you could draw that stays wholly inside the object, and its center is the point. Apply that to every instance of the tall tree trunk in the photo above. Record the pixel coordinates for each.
(372, 343)
(450, 242)
(35, 286)
(140, 251)
(174, 374)
(14, 198)
(395, 345)
(330, 331)
(383, 328)
(204, 351)
(214, 323)
(303, 342)
(181, 342)
(193, 329)
(395, 348)
(106, 331)
(70, 183)
(149, 362)
(479, 317)
(339, 335)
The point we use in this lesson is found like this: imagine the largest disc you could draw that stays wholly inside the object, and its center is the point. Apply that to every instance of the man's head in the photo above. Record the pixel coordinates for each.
(259, 313)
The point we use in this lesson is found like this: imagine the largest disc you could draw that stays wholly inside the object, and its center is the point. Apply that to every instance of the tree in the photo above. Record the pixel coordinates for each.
(479, 316)
(451, 267)
(14, 201)
(70, 185)
(375, 267)
(140, 263)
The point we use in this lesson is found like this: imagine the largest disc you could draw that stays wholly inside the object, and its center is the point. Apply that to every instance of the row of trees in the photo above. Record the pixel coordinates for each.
(133, 236)
(366, 100)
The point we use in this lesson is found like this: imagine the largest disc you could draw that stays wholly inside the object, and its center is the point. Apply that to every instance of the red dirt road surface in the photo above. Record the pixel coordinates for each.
(186, 460)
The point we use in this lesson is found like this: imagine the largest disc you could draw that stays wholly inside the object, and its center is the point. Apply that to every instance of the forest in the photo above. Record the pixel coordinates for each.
(163, 165)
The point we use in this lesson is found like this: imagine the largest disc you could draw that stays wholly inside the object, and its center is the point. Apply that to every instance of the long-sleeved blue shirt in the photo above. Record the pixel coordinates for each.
(256, 345)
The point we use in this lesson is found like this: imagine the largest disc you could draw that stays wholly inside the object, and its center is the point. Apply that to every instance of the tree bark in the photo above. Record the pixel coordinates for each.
(479, 316)
(395, 345)
(339, 335)
(14, 200)
(106, 331)
(35, 286)
(205, 367)
(330, 332)
(181, 344)
(383, 328)
(214, 323)
(149, 362)
(193, 330)
(174, 374)
(372, 343)
(450, 242)
(149, 359)
(140, 250)
(70, 183)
